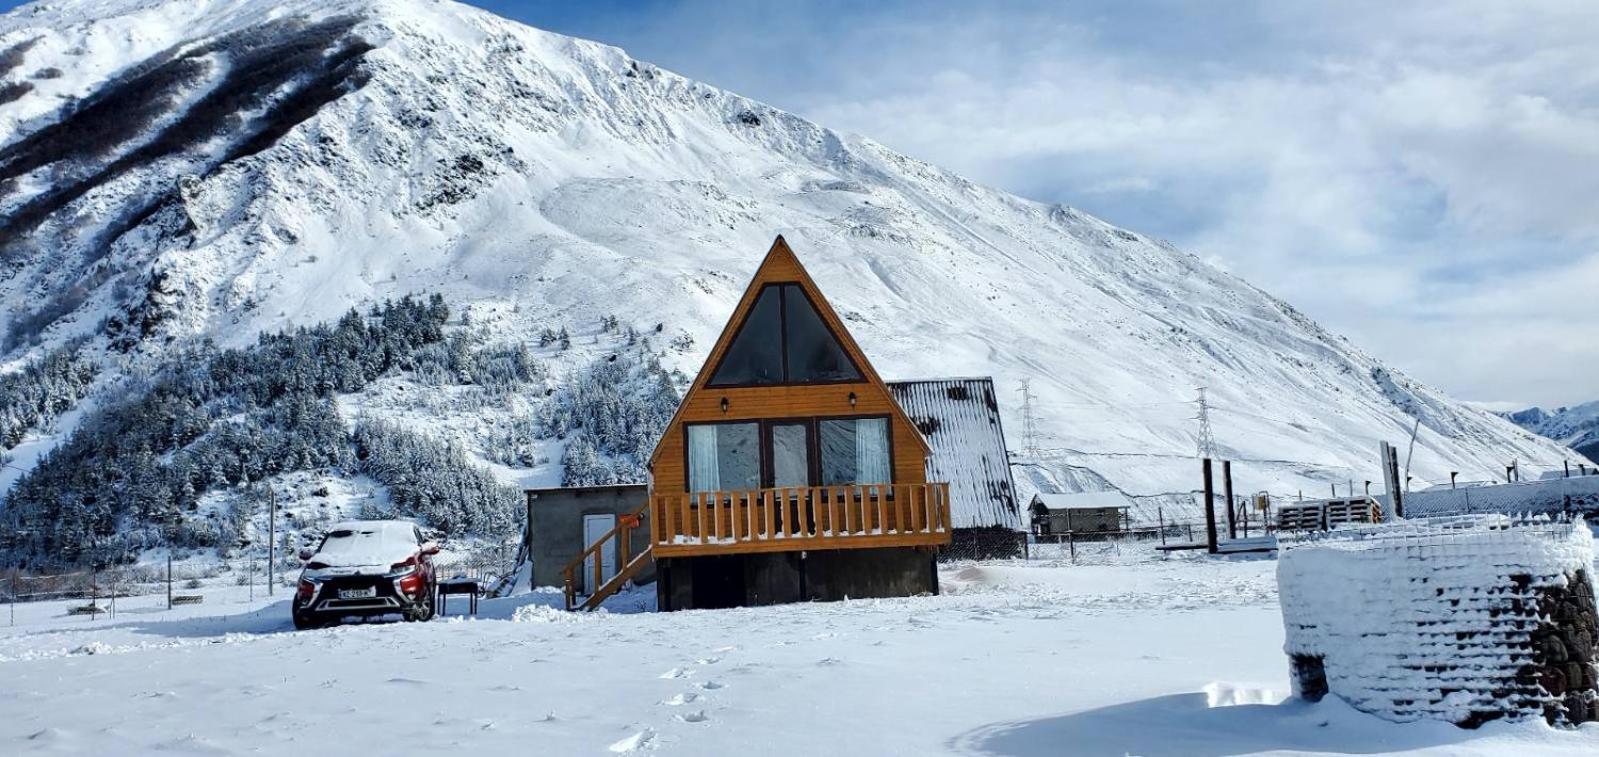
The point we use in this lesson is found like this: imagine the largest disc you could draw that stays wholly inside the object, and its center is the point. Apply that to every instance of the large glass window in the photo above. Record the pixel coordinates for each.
(791, 454)
(854, 451)
(724, 457)
(813, 353)
(756, 354)
(783, 340)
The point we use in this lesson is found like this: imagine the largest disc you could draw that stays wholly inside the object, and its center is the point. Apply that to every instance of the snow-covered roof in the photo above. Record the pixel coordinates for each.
(959, 418)
(1082, 500)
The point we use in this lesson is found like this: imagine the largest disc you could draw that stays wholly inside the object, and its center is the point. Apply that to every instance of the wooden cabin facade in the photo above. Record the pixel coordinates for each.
(789, 473)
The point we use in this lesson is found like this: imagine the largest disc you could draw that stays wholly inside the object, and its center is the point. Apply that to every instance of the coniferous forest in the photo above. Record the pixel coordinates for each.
(131, 475)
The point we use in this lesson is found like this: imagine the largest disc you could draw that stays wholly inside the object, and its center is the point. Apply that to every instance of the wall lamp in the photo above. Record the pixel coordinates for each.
(724, 404)
(852, 399)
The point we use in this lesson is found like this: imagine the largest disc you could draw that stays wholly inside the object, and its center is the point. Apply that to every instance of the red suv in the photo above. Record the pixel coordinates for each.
(366, 568)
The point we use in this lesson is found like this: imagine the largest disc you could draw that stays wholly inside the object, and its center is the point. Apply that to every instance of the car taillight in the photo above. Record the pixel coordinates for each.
(305, 591)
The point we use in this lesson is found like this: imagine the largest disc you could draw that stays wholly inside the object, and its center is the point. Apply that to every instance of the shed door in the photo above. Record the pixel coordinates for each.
(594, 527)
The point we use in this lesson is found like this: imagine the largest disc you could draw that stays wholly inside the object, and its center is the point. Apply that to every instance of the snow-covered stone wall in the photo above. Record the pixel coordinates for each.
(1463, 619)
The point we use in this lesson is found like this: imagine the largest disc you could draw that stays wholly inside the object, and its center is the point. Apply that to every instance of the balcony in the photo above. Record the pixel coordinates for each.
(853, 516)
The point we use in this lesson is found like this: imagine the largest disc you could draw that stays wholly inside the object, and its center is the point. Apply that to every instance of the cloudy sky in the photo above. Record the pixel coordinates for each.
(1423, 179)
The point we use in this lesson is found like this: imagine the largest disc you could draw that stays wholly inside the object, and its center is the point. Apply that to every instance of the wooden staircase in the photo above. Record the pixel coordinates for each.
(630, 564)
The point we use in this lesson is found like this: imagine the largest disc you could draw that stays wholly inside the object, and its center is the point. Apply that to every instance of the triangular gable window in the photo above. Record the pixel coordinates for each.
(783, 340)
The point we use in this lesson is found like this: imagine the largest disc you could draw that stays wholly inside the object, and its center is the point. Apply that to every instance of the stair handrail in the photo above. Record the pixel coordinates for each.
(624, 526)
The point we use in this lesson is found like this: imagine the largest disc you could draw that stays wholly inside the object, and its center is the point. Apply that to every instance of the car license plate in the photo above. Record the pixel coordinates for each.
(357, 593)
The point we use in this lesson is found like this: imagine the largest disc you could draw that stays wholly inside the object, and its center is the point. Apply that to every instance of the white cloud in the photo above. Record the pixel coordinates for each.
(1421, 177)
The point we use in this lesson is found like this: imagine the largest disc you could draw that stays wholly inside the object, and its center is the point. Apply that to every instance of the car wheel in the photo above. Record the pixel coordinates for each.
(304, 622)
(423, 612)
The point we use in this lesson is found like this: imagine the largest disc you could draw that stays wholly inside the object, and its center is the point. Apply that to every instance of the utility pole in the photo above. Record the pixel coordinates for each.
(1210, 507)
(272, 538)
(1207, 440)
(169, 579)
(1227, 487)
(1029, 421)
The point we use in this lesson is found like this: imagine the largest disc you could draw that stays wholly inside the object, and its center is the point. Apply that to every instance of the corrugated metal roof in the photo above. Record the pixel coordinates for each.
(1082, 500)
(960, 420)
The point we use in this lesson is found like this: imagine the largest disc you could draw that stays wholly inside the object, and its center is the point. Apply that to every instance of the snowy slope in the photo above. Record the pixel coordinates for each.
(275, 163)
(1576, 427)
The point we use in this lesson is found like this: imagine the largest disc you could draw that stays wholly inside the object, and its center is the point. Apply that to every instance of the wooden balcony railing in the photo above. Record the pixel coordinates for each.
(791, 519)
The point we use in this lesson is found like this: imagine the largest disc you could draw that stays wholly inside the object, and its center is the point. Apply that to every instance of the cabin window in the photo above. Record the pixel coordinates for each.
(756, 354)
(724, 456)
(855, 451)
(783, 340)
(813, 354)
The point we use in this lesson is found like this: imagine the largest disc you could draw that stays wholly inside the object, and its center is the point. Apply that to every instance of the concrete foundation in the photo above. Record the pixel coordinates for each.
(686, 583)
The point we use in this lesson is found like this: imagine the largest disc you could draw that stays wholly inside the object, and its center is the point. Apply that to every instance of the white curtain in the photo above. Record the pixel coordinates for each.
(871, 451)
(704, 471)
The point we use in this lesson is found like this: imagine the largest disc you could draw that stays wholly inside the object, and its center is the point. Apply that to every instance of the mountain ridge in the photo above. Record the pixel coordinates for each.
(428, 146)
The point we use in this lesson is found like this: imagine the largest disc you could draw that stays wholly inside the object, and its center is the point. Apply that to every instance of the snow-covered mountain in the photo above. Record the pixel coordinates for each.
(174, 169)
(1576, 427)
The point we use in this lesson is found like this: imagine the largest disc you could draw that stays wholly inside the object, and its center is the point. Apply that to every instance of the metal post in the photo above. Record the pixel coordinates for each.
(1071, 543)
(169, 579)
(13, 601)
(1161, 516)
(1227, 487)
(1210, 507)
(1566, 463)
(94, 592)
(272, 538)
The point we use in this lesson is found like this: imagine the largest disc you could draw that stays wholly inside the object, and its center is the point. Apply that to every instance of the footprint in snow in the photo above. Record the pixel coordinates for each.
(708, 661)
(725, 650)
(678, 700)
(633, 743)
(710, 685)
(828, 662)
(676, 673)
(411, 681)
(697, 716)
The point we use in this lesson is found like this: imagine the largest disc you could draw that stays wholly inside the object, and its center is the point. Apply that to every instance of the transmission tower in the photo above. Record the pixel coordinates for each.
(1207, 440)
(1029, 421)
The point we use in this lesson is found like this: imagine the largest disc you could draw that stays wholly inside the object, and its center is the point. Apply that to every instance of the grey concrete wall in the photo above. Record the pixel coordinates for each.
(778, 577)
(558, 526)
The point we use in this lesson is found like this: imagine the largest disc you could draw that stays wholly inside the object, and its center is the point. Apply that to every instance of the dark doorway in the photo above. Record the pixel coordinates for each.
(718, 582)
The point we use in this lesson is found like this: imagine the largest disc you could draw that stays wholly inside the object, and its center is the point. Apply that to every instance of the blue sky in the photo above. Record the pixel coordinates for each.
(1423, 178)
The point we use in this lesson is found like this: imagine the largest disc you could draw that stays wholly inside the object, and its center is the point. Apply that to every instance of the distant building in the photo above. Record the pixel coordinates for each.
(959, 418)
(1079, 513)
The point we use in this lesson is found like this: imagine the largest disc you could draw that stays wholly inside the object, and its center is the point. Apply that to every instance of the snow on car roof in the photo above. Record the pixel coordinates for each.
(367, 542)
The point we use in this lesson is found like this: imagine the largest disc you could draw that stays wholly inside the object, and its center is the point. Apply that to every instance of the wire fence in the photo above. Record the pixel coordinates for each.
(101, 593)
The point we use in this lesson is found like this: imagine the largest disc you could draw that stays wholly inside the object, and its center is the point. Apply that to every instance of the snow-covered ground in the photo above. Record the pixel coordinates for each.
(1133, 654)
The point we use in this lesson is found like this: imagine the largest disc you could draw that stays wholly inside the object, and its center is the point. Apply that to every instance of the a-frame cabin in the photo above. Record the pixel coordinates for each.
(789, 473)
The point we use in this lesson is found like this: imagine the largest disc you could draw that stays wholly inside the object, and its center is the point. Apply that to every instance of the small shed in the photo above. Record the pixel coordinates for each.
(959, 418)
(1081, 513)
(566, 519)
